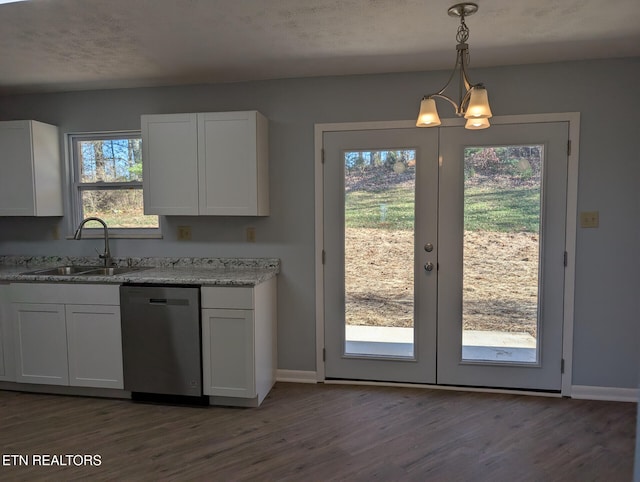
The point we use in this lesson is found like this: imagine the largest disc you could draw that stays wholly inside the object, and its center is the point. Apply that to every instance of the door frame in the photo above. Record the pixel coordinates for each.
(573, 118)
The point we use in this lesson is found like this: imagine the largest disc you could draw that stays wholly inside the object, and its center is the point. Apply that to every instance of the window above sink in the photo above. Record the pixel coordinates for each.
(106, 176)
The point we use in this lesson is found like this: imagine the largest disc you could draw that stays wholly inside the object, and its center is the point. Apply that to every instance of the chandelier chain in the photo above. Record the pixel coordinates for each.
(463, 31)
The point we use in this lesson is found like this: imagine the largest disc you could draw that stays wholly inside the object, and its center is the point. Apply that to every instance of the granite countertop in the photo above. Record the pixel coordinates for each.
(187, 271)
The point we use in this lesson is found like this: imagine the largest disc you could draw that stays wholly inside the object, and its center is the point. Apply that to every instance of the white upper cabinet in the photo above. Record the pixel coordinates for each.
(31, 180)
(170, 164)
(206, 164)
(233, 163)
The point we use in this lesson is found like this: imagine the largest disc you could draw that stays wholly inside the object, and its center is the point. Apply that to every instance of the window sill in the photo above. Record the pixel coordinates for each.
(121, 236)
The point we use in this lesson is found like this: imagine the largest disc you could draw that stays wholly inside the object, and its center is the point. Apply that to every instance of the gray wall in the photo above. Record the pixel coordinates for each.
(604, 92)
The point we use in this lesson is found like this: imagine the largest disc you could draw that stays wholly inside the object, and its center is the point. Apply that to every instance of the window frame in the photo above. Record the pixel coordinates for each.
(77, 187)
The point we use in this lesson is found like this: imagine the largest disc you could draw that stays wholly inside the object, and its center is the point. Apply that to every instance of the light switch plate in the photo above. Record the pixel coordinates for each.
(589, 219)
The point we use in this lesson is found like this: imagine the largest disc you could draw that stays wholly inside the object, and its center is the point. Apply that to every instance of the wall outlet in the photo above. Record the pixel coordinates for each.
(251, 235)
(184, 233)
(589, 219)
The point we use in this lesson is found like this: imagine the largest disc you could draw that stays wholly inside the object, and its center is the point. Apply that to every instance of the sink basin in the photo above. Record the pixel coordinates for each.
(62, 270)
(109, 271)
(82, 271)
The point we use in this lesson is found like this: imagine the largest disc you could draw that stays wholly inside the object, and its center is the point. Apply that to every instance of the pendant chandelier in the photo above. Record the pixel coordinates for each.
(473, 101)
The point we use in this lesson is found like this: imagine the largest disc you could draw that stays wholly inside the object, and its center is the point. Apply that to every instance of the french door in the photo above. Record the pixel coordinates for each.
(502, 245)
(444, 255)
(380, 208)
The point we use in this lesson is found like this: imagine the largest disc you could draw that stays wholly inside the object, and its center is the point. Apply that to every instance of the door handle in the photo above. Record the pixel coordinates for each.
(428, 266)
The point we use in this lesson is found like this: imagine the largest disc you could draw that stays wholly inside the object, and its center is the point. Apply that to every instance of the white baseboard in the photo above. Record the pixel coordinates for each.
(443, 387)
(579, 392)
(296, 376)
(612, 394)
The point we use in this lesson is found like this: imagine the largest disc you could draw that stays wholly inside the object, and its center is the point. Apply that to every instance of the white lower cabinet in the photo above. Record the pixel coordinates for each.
(7, 371)
(229, 361)
(41, 343)
(94, 346)
(70, 337)
(239, 343)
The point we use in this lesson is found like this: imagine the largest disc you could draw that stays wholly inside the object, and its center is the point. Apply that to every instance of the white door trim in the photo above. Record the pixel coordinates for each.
(571, 219)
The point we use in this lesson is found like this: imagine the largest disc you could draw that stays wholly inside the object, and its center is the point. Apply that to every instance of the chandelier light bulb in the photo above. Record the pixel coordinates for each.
(478, 104)
(428, 116)
(479, 123)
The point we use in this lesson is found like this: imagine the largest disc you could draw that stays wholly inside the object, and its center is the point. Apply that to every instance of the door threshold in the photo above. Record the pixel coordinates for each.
(508, 391)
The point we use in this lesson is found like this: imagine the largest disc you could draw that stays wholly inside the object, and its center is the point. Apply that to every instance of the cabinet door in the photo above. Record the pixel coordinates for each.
(170, 164)
(40, 343)
(7, 372)
(16, 182)
(31, 181)
(228, 353)
(95, 346)
(232, 158)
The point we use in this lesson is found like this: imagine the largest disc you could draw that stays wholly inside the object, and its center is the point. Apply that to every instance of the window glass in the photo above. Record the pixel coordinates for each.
(107, 182)
(110, 160)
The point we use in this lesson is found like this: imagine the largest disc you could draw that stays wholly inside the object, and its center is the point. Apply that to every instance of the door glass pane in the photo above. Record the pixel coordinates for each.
(379, 252)
(502, 193)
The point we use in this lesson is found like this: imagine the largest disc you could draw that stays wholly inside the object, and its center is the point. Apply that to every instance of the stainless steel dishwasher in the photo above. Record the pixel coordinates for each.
(161, 345)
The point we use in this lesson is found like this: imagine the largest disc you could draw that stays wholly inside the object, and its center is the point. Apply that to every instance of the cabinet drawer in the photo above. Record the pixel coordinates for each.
(63, 293)
(238, 298)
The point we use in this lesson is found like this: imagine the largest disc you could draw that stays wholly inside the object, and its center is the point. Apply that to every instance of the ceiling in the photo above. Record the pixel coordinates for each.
(59, 45)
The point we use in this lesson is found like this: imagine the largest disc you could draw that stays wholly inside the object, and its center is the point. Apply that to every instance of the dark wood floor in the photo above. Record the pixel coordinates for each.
(325, 432)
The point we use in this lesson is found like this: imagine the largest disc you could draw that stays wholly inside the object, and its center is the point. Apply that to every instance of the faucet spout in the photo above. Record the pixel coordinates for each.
(106, 256)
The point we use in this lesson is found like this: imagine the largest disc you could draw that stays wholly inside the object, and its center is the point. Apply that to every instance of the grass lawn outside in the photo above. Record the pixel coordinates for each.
(122, 219)
(488, 208)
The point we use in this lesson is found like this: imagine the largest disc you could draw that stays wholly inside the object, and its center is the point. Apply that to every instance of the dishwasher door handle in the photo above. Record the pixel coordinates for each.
(168, 301)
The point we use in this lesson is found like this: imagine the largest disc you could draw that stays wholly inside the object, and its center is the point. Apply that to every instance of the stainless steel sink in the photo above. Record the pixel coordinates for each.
(82, 271)
(62, 270)
(110, 271)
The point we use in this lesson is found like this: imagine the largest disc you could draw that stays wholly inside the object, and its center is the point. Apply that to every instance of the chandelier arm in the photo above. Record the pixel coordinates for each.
(453, 73)
(462, 84)
(442, 96)
(463, 70)
(464, 103)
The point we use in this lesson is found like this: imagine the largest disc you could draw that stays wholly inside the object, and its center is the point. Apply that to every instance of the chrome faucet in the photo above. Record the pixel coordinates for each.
(106, 256)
